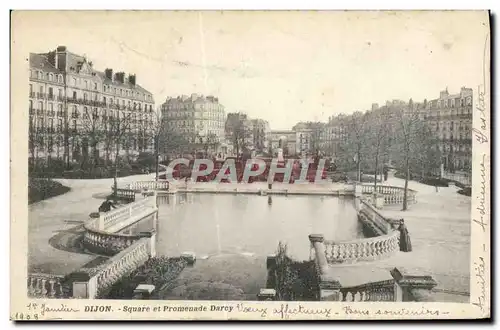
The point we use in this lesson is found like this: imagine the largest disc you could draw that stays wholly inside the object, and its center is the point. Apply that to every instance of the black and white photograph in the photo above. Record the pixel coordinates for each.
(250, 165)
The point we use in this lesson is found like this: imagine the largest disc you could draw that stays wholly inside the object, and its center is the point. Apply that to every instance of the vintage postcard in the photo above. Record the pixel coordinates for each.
(250, 165)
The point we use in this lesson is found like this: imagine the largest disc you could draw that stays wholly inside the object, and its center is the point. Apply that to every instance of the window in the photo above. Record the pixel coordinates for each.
(74, 95)
(31, 89)
(104, 99)
(469, 101)
(51, 92)
(41, 89)
(85, 83)
(51, 107)
(85, 96)
(59, 108)
(31, 104)
(51, 77)
(74, 124)
(74, 81)
(40, 105)
(60, 79)
(95, 86)
(40, 75)
(60, 93)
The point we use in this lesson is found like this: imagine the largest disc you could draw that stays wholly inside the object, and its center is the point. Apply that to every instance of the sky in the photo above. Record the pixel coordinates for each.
(283, 67)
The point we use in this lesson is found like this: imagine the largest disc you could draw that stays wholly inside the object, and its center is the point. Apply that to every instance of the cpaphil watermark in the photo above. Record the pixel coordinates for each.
(255, 169)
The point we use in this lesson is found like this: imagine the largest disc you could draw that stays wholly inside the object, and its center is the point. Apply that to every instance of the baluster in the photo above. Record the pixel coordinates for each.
(357, 296)
(51, 292)
(349, 297)
(31, 286)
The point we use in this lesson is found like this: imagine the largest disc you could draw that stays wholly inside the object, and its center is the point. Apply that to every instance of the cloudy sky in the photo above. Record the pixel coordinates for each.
(281, 66)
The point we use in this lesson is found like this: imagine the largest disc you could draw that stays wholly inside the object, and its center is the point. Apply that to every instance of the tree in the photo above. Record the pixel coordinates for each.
(378, 135)
(211, 141)
(409, 124)
(238, 131)
(34, 135)
(118, 131)
(355, 142)
(93, 133)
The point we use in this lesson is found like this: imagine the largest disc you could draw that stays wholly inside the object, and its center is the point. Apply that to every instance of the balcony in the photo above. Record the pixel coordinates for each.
(39, 112)
(51, 113)
(32, 94)
(61, 98)
(41, 95)
(75, 115)
(60, 113)
(51, 97)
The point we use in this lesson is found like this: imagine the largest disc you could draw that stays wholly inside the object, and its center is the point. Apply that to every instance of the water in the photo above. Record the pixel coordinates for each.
(251, 225)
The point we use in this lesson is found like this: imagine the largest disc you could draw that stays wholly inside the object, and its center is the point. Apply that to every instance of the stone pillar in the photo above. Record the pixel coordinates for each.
(319, 252)
(152, 242)
(412, 287)
(266, 294)
(329, 288)
(378, 200)
(358, 189)
(143, 291)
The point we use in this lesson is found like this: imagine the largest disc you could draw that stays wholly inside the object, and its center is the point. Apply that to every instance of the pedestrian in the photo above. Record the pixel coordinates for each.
(107, 205)
(436, 186)
(404, 237)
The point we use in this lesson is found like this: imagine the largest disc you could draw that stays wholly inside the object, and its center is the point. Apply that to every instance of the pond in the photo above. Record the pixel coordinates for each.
(231, 236)
(211, 224)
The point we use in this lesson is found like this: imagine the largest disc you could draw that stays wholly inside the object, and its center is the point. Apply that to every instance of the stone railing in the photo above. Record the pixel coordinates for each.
(367, 249)
(392, 195)
(125, 195)
(372, 218)
(89, 282)
(373, 291)
(101, 235)
(46, 286)
(139, 186)
(123, 213)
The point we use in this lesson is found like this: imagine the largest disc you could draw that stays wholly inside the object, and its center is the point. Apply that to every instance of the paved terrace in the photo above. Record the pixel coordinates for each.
(56, 223)
(439, 227)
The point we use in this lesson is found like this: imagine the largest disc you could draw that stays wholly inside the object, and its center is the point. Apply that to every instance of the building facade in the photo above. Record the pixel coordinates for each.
(450, 116)
(261, 133)
(199, 120)
(284, 140)
(76, 111)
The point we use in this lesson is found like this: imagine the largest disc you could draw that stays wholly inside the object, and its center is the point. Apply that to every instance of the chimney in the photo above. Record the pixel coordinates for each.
(109, 73)
(60, 58)
(131, 79)
(120, 77)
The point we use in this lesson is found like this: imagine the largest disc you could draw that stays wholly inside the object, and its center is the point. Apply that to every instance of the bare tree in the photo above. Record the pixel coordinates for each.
(408, 133)
(378, 135)
(355, 141)
(94, 131)
(238, 131)
(118, 130)
(34, 134)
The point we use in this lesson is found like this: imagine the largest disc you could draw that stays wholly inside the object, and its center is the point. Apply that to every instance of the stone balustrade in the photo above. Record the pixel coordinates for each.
(367, 249)
(370, 216)
(373, 291)
(89, 282)
(139, 186)
(45, 286)
(101, 233)
(108, 244)
(125, 194)
(392, 195)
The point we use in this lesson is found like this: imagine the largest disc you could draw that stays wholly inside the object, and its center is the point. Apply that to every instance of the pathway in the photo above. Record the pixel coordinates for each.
(439, 227)
(55, 224)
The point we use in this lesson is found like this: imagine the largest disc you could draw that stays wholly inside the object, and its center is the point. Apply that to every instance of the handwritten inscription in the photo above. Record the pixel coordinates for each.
(480, 132)
(348, 310)
(479, 272)
(286, 311)
(482, 195)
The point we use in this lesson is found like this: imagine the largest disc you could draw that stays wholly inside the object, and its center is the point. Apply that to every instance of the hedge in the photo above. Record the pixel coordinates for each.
(40, 189)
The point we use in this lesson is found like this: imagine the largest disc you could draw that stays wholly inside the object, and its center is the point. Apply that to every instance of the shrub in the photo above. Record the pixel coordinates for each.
(466, 191)
(158, 271)
(40, 189)
(434, 182)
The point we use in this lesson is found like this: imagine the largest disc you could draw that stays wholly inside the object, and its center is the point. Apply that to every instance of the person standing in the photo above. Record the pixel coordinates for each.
(404, 237)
